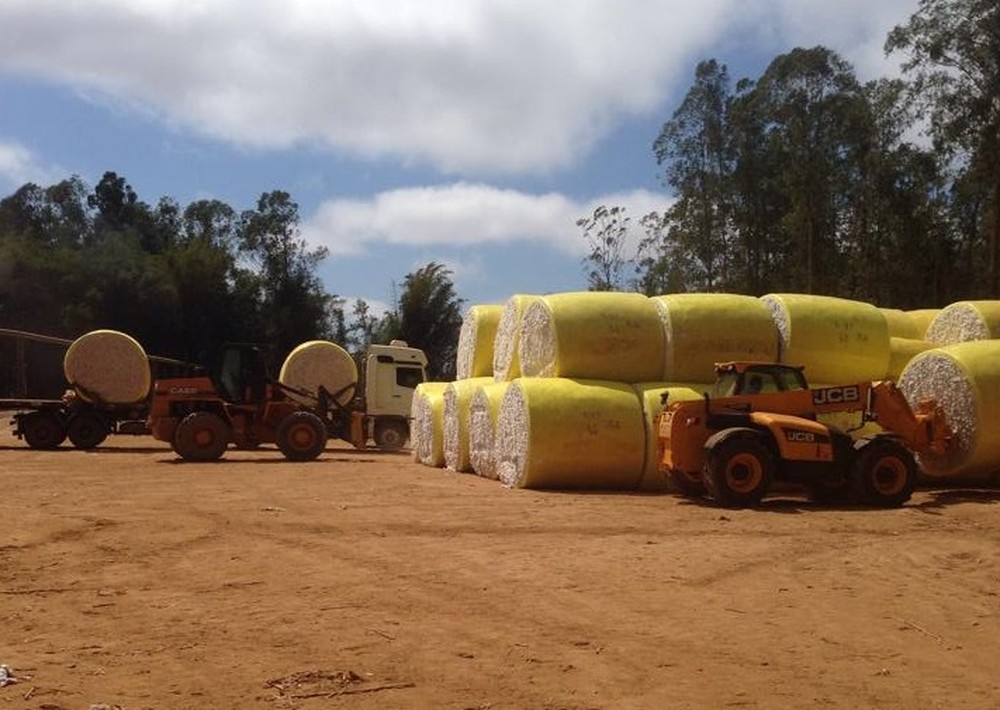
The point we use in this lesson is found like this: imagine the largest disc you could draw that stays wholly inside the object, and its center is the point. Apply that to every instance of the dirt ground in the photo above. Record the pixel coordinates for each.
(363, 580)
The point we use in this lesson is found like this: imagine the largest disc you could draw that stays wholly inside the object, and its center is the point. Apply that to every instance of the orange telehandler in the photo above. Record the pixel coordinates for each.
(760, 425)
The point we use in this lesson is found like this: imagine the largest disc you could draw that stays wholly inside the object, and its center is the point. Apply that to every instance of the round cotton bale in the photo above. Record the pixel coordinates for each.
(475, 341)
(837, 340)
(320, 363)
(922, 318)
(651, 396)
(964, 379)
(506, 360)
(702, 329)
(561, 433)
(427, 423)
(901, 351)
(457, 399)
(483, 411)
(108, 366)
(964, 321)
(901, 324)
(593, 335)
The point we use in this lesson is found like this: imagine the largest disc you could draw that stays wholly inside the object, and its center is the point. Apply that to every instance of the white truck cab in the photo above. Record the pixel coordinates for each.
(392, 373)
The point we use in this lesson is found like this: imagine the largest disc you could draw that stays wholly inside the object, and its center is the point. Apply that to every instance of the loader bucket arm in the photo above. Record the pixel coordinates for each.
(924, 429)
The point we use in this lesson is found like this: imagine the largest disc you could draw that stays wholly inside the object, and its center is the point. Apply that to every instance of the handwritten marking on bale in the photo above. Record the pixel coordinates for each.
(963, 321)
(702, 329)
(506, 344)
(457, 400)
(651, 397)
(483, 411)
(427, 426)
(593, 335)
(964, 379)
(836, 339)
(108, 366)
(560, 433)
(319, 363)
(476, 340)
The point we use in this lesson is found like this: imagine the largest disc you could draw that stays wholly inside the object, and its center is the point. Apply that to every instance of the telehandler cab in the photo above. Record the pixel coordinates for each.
(760, 425)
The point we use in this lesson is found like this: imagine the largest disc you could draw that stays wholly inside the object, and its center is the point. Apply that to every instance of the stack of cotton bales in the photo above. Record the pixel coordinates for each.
(108, 366)
(427, 423)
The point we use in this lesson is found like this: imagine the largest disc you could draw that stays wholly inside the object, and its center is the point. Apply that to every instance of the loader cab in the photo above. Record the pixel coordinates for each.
(241, 374)
(749, 378)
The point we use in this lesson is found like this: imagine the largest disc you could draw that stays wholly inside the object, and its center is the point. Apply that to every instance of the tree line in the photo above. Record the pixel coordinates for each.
(185, 280)
(807, 180)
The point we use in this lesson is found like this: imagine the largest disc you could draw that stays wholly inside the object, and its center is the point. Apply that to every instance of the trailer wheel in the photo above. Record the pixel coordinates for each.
(391, 434)
(884, 473)
(201, 436)
(738, 470)
(301, 436)
(42, 430)
(87, 430)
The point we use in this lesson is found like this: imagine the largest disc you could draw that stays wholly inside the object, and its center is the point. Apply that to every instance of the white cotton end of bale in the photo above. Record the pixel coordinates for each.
(964, 379)
(702, 329)
(901, 351)
(483, 411)
(108, 366)
(922, 318)
(560, 433)
(320, 363)
(457, 400)
(593, 335)
(901, 324)
(964, 321)
(506, 358)
(427, 423)
(651, 398)
(476, 339)
(836, 339)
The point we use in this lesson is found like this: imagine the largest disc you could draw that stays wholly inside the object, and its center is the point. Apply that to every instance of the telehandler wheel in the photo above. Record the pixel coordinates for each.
(201, 436)
(390, 435)
(883, 474)
(738, 470)
(87, 430)
(684, 485)
(301, 436)
(43, 430)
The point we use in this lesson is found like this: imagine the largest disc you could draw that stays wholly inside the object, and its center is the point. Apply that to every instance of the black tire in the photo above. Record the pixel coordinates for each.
(883, 474)
(301, 436)
(87, 430)
(684, 485)
(738, 470)
(391, 434)
(202, 436)
(43, 430)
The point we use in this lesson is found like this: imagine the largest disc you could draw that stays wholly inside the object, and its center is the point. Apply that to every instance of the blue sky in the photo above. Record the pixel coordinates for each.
(469, 132)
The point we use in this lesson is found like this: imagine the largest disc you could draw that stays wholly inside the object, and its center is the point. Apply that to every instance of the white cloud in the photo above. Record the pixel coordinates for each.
(18, 166)
(462, 215)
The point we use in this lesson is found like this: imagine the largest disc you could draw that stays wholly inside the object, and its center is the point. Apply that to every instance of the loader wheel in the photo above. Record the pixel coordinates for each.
(301, 436)
(738, 471)
(87, 430)
(43, 430)
(883, 474)
(684, 485)
(390, 435)
(202, 436)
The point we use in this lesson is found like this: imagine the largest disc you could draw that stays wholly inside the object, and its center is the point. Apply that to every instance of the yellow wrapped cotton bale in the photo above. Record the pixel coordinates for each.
(457, 399)
(922, 318)
(964, 379)
(702, 329)
(592, 335)
(475, 341)
(901, 351)
(506, 360)
(901, 324)
(427, 423)
(555, 432)
(319, 363)
(963, 321)
(837, 340)
(108, 366)
(483, 410)
(651, 398)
